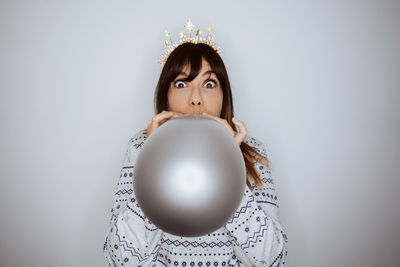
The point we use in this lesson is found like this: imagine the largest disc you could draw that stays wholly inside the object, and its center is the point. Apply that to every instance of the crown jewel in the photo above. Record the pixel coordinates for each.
(171, 45)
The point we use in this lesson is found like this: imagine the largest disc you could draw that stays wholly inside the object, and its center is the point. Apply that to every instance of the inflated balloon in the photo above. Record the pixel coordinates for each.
(189, 176)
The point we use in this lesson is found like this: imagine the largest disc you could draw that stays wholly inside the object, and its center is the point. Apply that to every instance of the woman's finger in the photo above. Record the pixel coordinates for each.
(162, 117)
(166, 115)
(241, 135)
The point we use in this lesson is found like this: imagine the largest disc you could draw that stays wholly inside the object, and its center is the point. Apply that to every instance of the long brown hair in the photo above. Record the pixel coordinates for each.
(192, 54)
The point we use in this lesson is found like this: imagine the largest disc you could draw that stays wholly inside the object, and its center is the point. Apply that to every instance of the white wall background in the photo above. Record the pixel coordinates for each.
(317, 81)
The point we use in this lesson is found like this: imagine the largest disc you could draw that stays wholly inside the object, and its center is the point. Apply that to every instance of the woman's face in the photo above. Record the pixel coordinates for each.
(203, 93)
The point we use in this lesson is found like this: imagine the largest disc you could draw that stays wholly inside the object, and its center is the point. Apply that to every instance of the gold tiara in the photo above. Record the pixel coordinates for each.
(171, 45)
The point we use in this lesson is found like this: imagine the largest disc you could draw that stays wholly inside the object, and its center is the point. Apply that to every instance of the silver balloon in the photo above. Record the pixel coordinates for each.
(189, 176)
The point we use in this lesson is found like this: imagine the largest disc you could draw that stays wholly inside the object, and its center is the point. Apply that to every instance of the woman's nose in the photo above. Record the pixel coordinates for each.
(196, 103)
(195, 97)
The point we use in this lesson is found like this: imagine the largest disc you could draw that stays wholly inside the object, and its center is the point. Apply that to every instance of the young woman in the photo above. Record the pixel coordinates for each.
(194, 81)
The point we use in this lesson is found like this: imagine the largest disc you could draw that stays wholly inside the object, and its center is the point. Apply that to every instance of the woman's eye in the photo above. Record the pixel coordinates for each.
(212, 82)
(180, 84)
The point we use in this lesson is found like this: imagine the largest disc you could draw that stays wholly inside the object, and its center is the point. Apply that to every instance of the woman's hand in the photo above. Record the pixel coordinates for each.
(161, 118)
(238, 136)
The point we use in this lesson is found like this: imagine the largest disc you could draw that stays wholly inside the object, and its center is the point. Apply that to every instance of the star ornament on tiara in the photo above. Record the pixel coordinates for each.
(171, 45)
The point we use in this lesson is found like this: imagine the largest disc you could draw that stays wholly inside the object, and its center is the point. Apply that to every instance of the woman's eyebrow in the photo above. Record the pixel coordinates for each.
(204, 73)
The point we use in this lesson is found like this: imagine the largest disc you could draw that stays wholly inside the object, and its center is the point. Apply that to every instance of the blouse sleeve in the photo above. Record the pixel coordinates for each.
(131, 239)
(257, 235)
